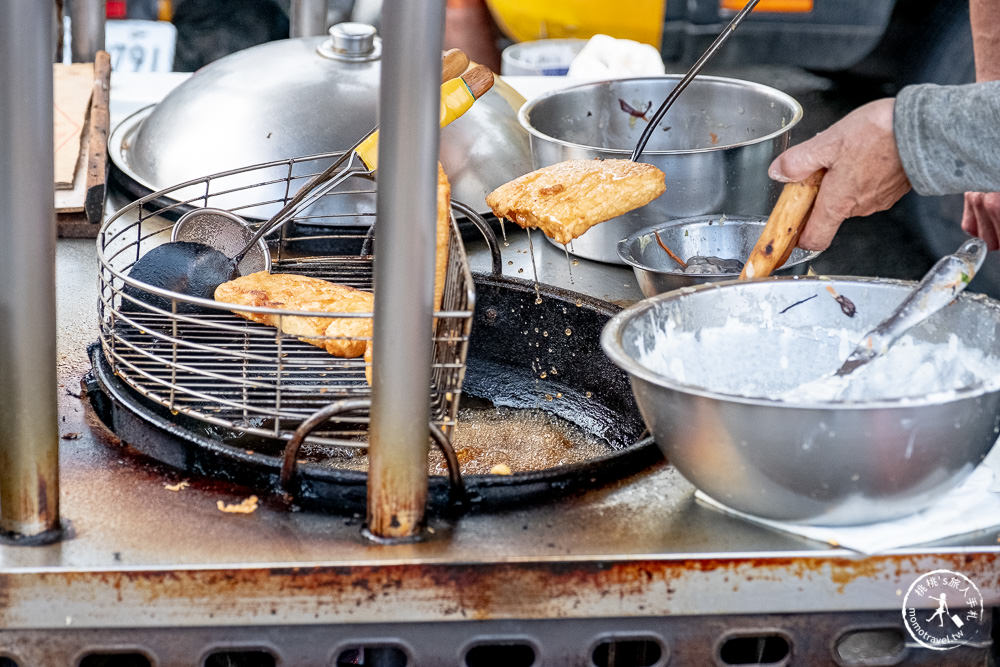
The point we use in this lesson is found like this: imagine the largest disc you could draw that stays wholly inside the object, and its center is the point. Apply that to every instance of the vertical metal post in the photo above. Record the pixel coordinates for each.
(307, 18)
(29, 438)
(87, 19)
(406, 206)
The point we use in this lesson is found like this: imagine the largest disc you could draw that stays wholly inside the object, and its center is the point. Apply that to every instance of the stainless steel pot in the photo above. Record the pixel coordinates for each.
(705, 235)
(808, 461)
(301, 97)
(714, 145)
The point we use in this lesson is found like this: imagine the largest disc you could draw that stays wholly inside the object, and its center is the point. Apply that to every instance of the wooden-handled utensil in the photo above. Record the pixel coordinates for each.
(454, 62)
(783, 227)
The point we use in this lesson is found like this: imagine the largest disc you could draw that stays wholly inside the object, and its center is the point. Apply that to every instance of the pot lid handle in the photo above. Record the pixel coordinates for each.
(350, 41)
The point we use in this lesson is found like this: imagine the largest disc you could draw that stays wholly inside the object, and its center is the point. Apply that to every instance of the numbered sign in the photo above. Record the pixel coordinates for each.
(140, 46)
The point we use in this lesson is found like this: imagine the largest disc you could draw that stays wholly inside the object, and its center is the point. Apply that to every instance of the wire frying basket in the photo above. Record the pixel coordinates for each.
(226, 371)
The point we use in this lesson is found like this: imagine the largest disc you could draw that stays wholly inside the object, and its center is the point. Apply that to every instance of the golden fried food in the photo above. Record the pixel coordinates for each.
(245, 506)
(341, 337)
(566, 199)
(344, 337)
(442, 236)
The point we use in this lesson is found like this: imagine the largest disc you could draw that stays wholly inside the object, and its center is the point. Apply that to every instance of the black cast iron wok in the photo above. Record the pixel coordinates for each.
(501, 369)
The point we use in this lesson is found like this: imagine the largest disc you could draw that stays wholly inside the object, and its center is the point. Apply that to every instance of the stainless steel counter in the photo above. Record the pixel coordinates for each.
(641, 547)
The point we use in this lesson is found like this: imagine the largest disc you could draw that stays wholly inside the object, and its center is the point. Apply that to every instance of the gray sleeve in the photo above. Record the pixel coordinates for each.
(949, 137)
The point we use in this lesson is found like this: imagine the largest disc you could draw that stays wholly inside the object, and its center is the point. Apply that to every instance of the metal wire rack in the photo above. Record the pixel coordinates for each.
(251, 378)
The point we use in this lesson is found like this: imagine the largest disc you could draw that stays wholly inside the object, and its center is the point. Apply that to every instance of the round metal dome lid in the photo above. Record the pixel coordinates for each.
(299, 97)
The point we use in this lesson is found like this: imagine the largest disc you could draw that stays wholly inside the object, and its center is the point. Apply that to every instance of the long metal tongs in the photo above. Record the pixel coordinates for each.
(687, 78)
(453, 64)
(197, 269)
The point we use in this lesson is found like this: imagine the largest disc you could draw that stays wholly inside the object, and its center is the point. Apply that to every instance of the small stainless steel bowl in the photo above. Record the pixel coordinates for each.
(728, 237)
(833, 463)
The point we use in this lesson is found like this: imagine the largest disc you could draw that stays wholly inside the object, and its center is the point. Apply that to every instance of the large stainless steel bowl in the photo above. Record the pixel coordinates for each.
(726, 237)
(807, 461)
(714, 145)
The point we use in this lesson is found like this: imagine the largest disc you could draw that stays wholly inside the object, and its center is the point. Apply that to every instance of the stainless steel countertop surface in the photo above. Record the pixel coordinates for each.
(140, 555)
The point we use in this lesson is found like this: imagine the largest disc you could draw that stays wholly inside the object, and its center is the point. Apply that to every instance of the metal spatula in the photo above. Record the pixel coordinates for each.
(937, 289)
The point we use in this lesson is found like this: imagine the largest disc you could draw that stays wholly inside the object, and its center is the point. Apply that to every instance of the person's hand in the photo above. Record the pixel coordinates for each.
(982, 217)
(864, 173)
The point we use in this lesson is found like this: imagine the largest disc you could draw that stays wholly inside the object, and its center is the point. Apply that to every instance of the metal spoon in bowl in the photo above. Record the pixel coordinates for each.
(936, 289)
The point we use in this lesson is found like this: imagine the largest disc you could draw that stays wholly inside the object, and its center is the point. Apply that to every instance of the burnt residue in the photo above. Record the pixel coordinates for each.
(846, 305)
(527, 588)
(797, 303)
(632, 111)
(63, 531)
(43, 499)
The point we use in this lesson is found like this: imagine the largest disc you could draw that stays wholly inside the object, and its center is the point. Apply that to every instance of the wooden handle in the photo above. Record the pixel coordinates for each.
(479, 79)
(783, 227)
(457, 97)
(97, 142)
(453, 63)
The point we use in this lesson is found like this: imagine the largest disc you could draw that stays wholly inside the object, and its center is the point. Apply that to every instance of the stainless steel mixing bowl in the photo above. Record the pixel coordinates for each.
(714, 145)
(813, 462)
(726, 237)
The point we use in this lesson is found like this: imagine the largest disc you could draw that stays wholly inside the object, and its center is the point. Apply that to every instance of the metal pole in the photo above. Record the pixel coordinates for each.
(86, 29)
(307, 18)
(406, 204)
(29, 437)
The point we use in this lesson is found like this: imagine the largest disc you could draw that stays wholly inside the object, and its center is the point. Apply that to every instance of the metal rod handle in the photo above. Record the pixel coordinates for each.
(29, 434)
(307, 18)
(687, 78)
(87, 20)
(406, 208)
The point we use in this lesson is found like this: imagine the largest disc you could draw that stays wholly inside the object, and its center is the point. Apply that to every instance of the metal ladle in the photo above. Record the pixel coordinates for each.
(196, 269)
(230, 234)
(939, 287)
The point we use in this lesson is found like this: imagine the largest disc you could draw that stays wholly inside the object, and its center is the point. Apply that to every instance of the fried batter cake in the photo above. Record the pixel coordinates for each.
(566, 199)
(338, 336)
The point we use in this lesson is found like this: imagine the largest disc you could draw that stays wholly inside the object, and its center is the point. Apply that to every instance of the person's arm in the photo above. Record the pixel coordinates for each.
(940, 139)
(949, 137)
(864, 173)
(984, 15)
(468, 25)
(937, 127)
(981, 216)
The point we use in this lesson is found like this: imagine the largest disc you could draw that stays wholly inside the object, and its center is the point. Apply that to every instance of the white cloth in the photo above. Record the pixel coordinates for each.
(605, 57)
(973, 505)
